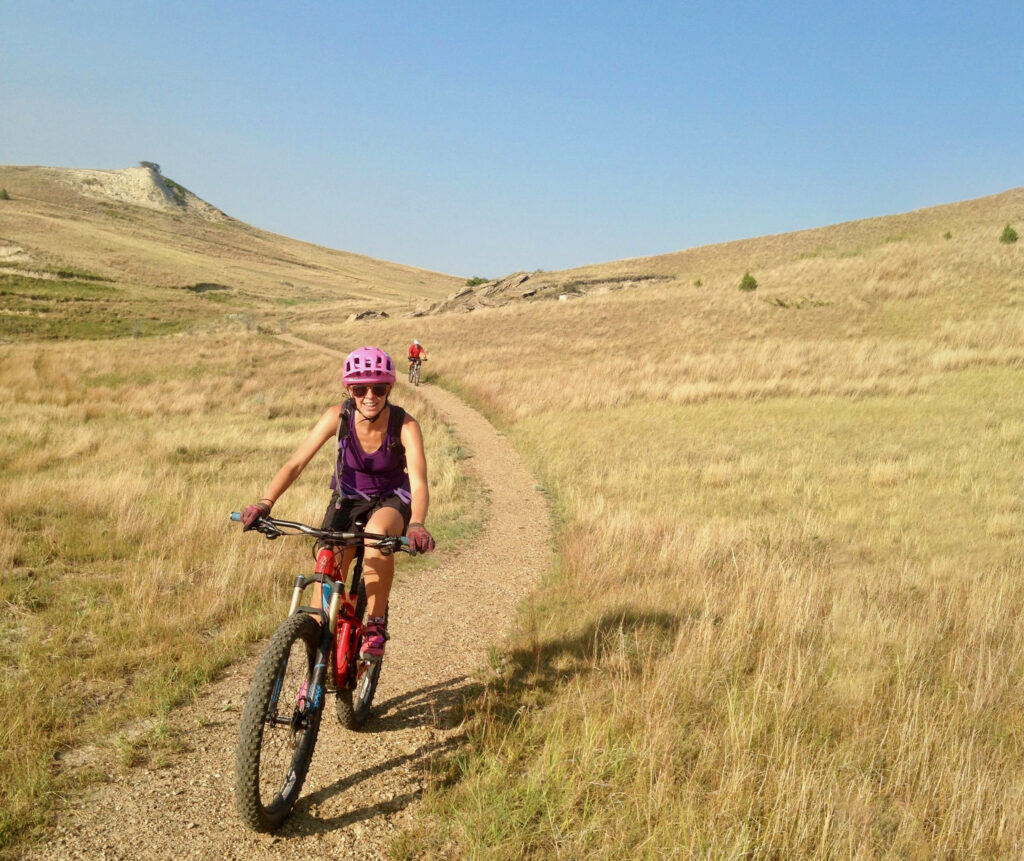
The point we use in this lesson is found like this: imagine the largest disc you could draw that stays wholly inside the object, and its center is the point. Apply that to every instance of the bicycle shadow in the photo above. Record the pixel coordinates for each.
(618, 635)
(304, 821)
(438, 705)
(542, 666)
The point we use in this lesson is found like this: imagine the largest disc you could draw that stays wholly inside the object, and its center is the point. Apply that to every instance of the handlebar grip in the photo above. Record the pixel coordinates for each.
(236, 516)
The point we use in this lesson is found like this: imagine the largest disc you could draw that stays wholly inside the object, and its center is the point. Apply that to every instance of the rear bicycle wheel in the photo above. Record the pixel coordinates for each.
(279, 726)
(352, 704)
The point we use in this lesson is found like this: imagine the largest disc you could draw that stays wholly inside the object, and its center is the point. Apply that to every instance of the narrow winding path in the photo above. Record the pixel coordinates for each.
(349, 808)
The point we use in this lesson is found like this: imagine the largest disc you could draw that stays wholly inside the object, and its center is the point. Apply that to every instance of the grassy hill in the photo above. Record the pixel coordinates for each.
(90, 253)
(785, 616)
(785, 620)
(821, 257)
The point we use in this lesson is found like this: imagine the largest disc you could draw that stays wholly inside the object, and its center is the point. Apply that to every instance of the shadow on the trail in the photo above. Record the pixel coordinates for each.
(438, 705)
(303, 822)
(532, 672)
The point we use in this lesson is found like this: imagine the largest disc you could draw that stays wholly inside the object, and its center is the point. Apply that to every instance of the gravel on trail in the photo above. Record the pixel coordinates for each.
(362, 787)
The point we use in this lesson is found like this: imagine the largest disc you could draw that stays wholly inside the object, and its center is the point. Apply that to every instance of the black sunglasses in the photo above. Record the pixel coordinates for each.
(379, 389)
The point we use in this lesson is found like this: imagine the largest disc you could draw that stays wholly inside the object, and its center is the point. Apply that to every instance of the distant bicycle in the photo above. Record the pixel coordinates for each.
(302, 663)
(414, 370)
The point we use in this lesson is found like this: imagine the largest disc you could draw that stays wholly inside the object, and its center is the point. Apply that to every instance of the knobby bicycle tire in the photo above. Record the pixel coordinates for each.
(276, 736)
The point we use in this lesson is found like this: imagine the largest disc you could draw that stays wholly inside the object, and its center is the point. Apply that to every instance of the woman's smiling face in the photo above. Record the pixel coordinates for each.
(370, 399)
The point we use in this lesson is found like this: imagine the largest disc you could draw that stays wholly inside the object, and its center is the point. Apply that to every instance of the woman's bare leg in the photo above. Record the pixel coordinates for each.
(379, 570)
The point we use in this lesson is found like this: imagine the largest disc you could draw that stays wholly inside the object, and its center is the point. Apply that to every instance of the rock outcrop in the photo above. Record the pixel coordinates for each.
(525, 286)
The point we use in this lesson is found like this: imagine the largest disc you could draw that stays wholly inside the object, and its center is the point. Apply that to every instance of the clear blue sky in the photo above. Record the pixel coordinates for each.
(479, 138)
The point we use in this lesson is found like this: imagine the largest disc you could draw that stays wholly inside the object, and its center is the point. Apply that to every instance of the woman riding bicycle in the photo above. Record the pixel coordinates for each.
(380, 477)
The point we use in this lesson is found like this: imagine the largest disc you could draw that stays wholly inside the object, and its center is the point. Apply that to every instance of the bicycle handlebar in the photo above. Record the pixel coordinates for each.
(273, 528)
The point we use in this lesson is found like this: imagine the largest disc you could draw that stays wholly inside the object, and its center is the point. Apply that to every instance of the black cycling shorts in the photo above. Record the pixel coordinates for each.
(353, 514)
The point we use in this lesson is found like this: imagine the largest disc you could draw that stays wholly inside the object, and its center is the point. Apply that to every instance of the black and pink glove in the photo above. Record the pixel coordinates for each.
(254, 512)
(419, 539)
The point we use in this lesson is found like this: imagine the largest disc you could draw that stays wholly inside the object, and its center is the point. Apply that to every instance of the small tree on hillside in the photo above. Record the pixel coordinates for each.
(152, 165)
(1009, 235)
(4, 195)
(748, 282)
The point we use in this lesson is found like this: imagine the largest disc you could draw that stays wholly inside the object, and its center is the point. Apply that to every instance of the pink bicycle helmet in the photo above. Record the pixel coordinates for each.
(368, 365)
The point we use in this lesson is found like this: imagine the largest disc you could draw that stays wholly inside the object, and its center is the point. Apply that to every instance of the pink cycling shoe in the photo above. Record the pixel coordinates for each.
(374, 637)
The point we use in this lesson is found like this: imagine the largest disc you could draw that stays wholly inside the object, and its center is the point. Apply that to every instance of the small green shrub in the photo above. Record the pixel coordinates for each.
(698, 283)
(4, 195)
(748, 282)
(1009, 235)
(474, 281)
(947, 235)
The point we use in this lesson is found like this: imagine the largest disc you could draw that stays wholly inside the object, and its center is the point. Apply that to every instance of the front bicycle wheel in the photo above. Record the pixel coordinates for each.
(416, 375)
(279, 726)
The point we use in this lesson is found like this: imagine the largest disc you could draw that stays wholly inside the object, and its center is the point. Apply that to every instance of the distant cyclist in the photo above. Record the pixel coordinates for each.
(380, 474)
(416, 356)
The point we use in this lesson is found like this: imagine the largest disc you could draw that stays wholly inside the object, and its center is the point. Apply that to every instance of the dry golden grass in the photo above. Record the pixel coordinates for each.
(785, 619)
(125, 587)
(149, 257)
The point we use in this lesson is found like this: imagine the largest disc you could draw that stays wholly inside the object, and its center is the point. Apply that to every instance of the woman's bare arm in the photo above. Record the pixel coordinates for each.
(416, 464)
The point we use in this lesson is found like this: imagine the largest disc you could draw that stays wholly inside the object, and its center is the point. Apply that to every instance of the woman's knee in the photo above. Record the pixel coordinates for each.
(385, 521)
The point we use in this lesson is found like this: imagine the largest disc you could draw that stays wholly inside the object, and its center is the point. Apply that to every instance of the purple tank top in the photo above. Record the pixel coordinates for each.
(381, 473)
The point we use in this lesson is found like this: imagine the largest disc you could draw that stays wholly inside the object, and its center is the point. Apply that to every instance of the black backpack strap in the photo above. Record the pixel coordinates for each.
(397, 419)
(344, 417)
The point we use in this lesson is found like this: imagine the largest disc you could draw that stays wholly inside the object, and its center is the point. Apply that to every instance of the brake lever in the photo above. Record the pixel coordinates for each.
(269, 530)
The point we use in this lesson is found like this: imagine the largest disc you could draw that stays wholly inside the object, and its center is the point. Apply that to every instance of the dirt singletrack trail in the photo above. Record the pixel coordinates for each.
(361, 786)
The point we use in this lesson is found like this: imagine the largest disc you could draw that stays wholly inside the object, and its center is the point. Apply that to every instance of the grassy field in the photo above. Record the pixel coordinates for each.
(784, 620)
(122, 460)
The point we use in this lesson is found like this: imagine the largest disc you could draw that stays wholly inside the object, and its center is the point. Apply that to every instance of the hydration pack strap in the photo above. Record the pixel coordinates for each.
(344, 417)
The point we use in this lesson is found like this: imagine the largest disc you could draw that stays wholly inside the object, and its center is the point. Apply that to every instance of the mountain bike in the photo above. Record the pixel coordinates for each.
(414, 370)
(303, 662)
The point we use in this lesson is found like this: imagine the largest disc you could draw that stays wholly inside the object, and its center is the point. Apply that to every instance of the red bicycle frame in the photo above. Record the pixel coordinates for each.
(341, 613)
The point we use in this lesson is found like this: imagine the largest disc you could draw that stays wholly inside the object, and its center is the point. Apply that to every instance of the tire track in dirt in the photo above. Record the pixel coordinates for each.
(361, 787)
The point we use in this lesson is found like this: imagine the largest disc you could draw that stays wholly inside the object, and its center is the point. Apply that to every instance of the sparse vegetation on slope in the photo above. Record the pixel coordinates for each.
(150, 236)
